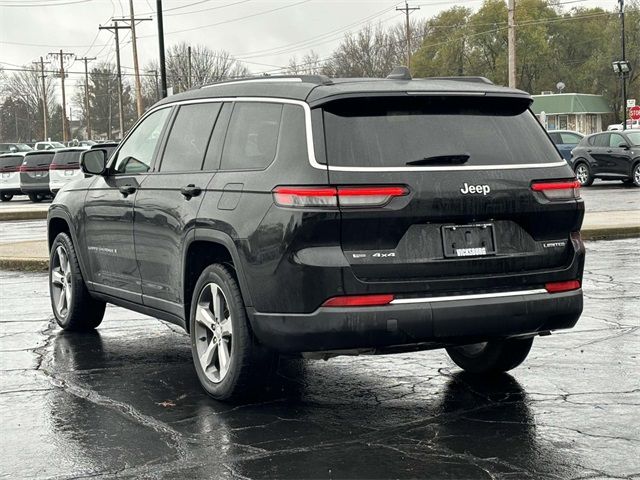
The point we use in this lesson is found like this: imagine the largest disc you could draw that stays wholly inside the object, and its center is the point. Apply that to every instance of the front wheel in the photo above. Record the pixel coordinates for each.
(35, 197)
(5, 197)
(493, 356)
(228, 360)
(583, 174)
(635, 176)
(72, 304)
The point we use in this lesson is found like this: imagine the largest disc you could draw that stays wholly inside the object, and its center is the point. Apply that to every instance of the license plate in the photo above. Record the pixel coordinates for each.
(468, 240)
(38, 174)
(69, 173)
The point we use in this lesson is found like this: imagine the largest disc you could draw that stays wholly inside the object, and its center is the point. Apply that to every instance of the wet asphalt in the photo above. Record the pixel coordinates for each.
(124, 401)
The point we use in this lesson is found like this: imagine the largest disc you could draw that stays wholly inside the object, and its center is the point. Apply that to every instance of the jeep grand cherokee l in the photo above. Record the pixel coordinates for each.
(303, 215)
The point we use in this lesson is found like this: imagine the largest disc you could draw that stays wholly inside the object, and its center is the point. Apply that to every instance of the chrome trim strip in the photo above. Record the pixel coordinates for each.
(479, 296)
(311, 152)
(256, 80)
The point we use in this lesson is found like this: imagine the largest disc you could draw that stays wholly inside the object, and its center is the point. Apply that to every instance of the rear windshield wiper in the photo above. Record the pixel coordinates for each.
(458, 159)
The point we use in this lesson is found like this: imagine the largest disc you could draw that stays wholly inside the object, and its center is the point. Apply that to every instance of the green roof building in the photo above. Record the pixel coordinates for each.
(581, 112)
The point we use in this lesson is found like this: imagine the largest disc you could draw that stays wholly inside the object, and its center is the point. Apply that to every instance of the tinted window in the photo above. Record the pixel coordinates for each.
(394, 131)
(555, 137)
(252, 136)
(67, 158)
(136, 153)
(39, 159)
(214, 151)
(600, 140)
(570, 138)
(615, 139)
(11, 161)
(189, 137)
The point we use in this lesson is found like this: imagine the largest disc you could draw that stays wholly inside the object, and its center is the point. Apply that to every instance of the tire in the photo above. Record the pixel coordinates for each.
(72, 304)
(583, 174)
(223, 332)
(5, 197)
(635, 175)
(35, 197)
(494, 356)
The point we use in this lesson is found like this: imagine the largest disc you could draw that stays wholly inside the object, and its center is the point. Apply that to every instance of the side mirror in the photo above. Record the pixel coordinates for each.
(94, 162)
(624, 145)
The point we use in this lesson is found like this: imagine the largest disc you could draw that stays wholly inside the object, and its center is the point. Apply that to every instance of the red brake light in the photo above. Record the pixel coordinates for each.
(562, 190)
(557, 287)
(359, 301)
(350, 196)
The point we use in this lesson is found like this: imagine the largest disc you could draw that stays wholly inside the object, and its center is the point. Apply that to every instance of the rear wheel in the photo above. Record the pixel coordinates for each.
(35, 197)
(72, 304)
(5, 197)
(583, 174)
(493, 356)
(228, 360)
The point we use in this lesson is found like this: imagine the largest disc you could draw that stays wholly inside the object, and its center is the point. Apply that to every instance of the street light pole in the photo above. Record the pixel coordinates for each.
(624, 77)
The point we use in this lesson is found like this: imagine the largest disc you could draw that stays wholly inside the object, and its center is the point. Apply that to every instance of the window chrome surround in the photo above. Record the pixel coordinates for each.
(311, 152)
(479, 296)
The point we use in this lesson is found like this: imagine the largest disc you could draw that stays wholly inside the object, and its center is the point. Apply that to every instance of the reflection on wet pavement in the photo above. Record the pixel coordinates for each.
(125, 401)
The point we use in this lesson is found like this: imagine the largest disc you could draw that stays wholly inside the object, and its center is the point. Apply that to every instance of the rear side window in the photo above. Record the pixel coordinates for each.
(434, 131)
(569, 138)
(67, 158)
(252, 136)
(189, 137)
(39, 159)
(600, 140)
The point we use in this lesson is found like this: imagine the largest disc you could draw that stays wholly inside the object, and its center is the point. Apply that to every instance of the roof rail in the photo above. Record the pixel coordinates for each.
(465, 79)
(316, 79)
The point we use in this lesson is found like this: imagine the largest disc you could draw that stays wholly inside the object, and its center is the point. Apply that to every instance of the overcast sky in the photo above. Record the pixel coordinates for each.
(263, 33)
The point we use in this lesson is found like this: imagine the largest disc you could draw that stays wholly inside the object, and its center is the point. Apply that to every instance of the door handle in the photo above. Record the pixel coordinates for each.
(126, 190)
(190, 191)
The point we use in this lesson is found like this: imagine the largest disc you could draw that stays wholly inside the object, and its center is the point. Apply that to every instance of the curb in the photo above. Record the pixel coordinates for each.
(31, 264)
(26, 215)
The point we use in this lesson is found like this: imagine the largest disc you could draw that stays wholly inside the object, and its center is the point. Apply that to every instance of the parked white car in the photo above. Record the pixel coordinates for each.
(65, 167)
(10, 175)
(48, 145)
(631, 125)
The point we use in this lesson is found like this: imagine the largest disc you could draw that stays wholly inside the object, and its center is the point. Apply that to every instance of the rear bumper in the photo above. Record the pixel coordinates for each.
(10, 190)
(454, 320)
(35, 188)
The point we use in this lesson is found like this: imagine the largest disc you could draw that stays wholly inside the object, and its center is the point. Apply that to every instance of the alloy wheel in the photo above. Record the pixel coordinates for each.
(582, 174)
(213, 332)
(636, 175)
(61, 281)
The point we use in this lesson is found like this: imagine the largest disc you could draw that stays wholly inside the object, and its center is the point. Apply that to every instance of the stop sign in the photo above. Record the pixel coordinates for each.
(634, 113)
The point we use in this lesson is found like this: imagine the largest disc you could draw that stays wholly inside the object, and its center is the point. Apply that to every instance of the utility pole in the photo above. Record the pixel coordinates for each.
(624, 76)
(163, 67)
(44, 98)
(61, 58)
(116, 28)
(189, 65)
(407, 10)
(86, 94)
(131, 20)
(512, 43)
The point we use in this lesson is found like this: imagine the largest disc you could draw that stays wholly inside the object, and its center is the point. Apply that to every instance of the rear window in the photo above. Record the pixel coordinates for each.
(11, 161)
(433, 131)
(67, 158)
(38, 160)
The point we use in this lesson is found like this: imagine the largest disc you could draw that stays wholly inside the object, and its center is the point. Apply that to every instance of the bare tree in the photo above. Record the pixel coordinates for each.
(309, 65)
(24, 88)
(207, 66)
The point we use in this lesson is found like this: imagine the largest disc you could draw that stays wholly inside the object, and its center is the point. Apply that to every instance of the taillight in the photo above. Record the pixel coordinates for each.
(9, 169)
(24, 168)
(348, 197)
(359, 301)
(562, 190)
(557, 287)
(63, 166)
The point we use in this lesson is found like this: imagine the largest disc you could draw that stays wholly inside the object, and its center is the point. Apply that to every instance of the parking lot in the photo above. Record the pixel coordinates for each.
(125, 401)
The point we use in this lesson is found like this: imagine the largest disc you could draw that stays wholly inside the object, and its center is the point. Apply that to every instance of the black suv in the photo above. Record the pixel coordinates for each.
(303, 215)
(608, 156)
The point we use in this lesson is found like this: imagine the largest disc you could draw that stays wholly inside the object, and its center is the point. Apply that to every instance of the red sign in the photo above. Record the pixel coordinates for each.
(634, 113)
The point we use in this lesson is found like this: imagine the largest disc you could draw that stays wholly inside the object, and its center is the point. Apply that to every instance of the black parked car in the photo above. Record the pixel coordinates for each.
(303, 215)
(608, 156)
(34, 174)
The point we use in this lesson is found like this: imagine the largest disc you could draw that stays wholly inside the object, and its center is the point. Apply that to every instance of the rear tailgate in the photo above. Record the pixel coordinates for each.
(469, 218)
